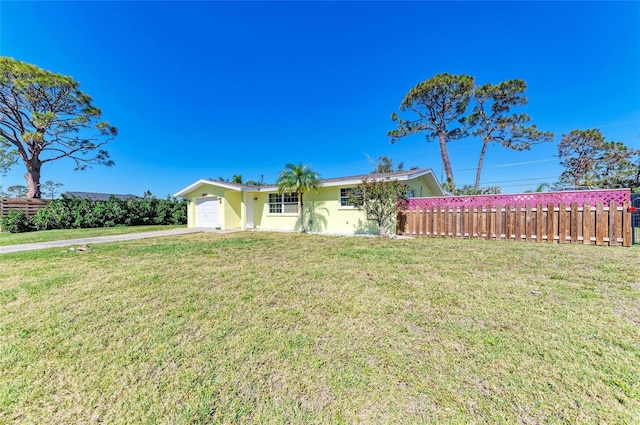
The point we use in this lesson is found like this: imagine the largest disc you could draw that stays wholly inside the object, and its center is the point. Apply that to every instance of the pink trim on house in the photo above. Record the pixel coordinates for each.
(545, 198)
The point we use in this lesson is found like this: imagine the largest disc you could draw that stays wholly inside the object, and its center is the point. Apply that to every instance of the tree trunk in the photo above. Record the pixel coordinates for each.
(442, 140)
(485, 142)
(33, 179)
(302, 229)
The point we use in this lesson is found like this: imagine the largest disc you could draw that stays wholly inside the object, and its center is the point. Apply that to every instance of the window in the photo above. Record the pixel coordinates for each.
(344, 197)
(286, 203)
(411, 193)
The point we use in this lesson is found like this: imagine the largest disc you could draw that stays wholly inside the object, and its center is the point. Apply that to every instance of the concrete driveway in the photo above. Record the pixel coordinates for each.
(113, 238)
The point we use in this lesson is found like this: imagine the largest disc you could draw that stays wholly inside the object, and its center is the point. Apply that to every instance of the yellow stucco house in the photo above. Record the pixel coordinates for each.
(224, 205)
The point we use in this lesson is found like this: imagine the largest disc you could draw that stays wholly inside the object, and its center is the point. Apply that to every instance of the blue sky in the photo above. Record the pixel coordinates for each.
(205, 89)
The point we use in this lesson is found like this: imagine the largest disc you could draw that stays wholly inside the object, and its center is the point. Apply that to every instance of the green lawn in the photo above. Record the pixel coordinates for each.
(289, 328)
(55, 235)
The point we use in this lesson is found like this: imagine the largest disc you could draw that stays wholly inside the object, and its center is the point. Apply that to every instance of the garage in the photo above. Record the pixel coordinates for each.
(207, 212)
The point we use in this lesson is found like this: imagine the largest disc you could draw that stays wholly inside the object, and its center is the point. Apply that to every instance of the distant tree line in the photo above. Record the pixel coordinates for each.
(237, 179)
(73, 213)
(49, 187)
(15, 191)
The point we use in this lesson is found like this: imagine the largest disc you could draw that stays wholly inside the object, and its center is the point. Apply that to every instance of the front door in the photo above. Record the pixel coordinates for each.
(248, 199)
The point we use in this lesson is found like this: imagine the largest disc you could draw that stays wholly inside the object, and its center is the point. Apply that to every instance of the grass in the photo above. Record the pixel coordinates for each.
(54, 235)
(289, 328)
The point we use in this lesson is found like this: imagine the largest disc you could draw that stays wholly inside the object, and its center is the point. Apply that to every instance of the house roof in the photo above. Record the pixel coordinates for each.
(399, 175)
(337, 181)
(99, 196)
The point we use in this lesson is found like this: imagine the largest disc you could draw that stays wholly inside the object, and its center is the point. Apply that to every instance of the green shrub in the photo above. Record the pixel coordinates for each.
(114, 212)
(178, 211)
(81, 209)
(16, 221)
(46, 219)
(56, 215)
(74, 212)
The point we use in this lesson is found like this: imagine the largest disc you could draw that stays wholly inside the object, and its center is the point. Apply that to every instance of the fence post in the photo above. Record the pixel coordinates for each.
(586, 223)
(562, 223)
(626, 224)
(445, 221)
(599, 224)
(454, 222)
(539, 222)
(434, 224)
(498, 223)
(574, 222)
(518, 222)
(508, 222)
(529, 224)
(551, 223)
(613, 235)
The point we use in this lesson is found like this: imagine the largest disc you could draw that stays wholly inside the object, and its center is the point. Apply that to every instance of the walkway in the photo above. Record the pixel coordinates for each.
(112, 238)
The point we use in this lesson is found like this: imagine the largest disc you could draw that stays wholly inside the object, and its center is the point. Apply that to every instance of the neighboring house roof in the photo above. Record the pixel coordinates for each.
(338, 181)
(99, 196)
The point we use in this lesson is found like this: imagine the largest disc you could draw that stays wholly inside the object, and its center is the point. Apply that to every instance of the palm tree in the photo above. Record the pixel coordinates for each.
(542, 187)
(299, 179)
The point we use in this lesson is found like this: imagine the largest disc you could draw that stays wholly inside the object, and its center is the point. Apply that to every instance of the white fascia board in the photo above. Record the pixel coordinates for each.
(203, 182)
(420, 174)
(184, 192)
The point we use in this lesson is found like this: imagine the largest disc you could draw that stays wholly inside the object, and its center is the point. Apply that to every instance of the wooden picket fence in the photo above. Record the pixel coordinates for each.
(30, 206)
(599, 224)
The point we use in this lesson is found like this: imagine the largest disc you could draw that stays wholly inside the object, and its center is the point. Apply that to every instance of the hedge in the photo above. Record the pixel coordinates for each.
(74, 213)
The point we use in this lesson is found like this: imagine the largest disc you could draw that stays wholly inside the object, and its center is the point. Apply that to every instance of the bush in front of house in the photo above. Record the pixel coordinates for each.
(74, 213)
(150, 210)
(52, 217)
(16, 221)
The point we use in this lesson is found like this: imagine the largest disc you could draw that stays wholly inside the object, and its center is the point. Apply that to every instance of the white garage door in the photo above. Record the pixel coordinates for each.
(207, 212)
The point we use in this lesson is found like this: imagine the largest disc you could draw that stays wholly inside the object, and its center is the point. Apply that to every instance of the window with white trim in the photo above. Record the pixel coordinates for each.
(344, 197)
(285, 203)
